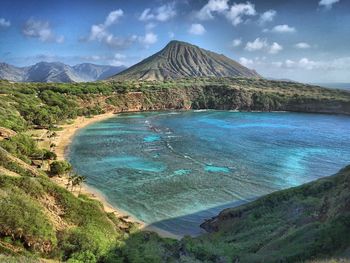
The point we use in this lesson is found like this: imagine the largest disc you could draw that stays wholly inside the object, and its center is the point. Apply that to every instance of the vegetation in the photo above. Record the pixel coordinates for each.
(40, 219)
(60, 168)
(21, 146)
(25, 105)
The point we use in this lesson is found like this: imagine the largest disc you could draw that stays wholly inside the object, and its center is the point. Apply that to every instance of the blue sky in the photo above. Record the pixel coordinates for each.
(301, 40)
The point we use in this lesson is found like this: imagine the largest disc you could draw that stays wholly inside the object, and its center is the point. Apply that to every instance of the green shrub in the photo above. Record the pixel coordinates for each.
(22, 217)
(60, 168)
(21, 146)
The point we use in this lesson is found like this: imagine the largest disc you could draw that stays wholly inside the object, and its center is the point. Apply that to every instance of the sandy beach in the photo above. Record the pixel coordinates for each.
(62, 141)
(65, 136)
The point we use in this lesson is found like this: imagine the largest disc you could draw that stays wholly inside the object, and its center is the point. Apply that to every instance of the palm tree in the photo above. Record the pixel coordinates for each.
(81, 180)
(74, 181)
(69, 181)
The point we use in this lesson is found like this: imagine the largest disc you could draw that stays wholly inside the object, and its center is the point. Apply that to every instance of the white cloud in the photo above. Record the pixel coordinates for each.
(303, 63)
(40, 30)
(275, 48)
(263, 45)
(119, 56)
(307, 64)
(236, 42)
(100, 32)
(283, 29)
(302, 45)
(234, 13)
(277, 64)
(146, 15)
(303, 69)
(328, 3)
(116, 59)
(150, 26)
(267, 16)
(289, 63)
(238, 11)
(119, 42)
(166, 12)
(4, 23)
(113, 17)
(148, 39)
(197, 29)
(60, 39)
(162, 13)
(246, 62)
(257, 44)
(212, 6)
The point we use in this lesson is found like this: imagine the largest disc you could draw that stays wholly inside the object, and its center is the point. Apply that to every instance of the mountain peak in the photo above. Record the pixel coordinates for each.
(178, 42)
(180, 59)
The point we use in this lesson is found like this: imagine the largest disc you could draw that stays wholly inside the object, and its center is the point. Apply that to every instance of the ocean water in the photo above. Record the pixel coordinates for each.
(173, 170)
(344, 86)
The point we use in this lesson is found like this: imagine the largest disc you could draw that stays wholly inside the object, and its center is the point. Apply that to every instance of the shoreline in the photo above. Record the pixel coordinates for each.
(65, 136)
(62, 141)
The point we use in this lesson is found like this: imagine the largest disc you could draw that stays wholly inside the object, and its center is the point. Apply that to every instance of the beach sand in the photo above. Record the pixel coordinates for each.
(62, 141)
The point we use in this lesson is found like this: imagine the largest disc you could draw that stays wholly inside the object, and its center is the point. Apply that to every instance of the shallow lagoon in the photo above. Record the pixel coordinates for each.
(175, 169)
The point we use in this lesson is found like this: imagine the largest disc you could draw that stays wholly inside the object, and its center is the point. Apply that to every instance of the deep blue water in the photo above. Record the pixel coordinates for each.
(175, 169)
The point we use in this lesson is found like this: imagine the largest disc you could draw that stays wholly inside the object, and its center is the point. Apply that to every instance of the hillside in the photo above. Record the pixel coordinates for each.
(57, 72)
(40, 218)
(23, 104)
(179, 60)
(309, 221)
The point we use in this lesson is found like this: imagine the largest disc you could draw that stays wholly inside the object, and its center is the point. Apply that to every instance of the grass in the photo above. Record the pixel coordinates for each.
(83, 225)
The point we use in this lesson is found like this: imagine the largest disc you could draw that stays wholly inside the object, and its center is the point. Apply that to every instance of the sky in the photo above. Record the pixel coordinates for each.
(302, 40)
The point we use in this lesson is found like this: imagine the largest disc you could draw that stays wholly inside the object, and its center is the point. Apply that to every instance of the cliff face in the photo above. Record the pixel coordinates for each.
(220, 98)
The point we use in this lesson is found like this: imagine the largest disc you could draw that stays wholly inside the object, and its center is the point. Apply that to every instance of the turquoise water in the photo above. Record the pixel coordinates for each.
(175, 169)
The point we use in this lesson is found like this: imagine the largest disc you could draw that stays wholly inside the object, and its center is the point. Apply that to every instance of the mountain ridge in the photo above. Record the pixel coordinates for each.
(179, 59)
(57, 72)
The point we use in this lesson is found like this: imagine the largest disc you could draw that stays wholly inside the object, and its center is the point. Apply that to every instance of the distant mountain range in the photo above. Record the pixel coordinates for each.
(179, 59)
(57, 72)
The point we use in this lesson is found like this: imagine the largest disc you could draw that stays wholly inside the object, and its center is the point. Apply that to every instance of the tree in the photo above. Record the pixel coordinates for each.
(48, 155)
(77, 180)
(60, 168)
(81, 180)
